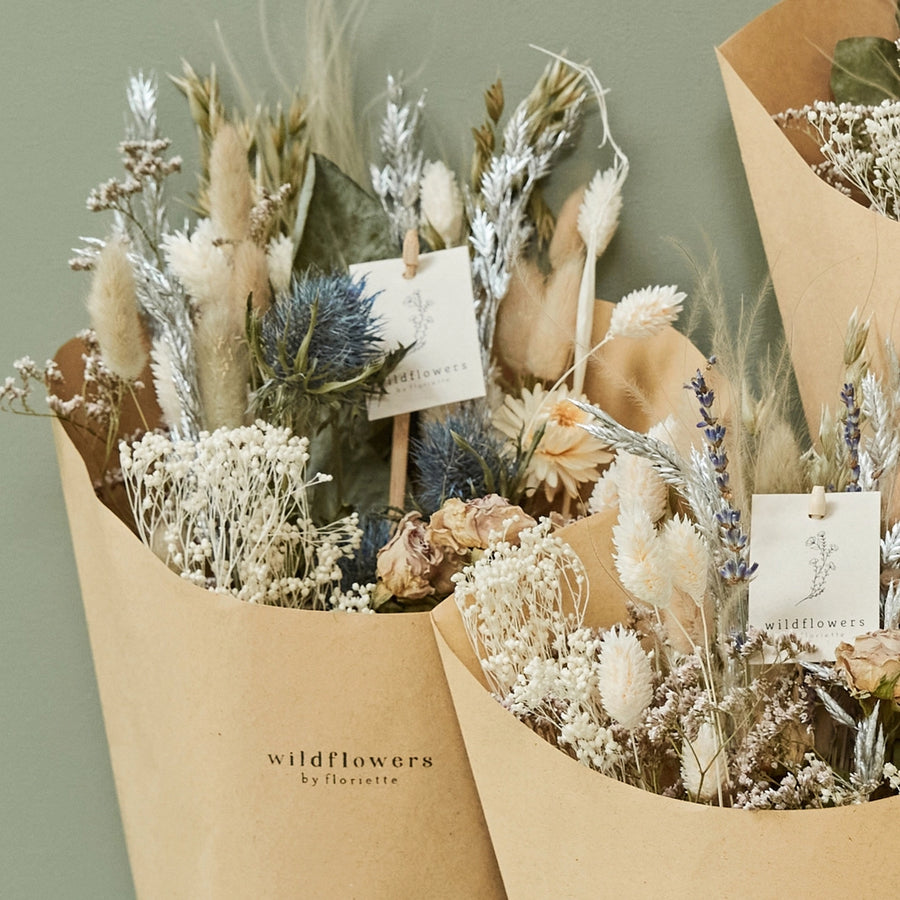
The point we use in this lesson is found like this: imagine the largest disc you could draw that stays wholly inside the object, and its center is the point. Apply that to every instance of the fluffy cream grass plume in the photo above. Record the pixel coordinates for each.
(624, 676)
(442, 202)
(223, 364)
(640, 558)
(230, 185)
(113, 309)
(645, 312)
(536, 320)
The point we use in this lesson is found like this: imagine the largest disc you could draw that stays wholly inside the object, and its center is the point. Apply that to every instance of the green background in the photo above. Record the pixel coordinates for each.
(63, 70)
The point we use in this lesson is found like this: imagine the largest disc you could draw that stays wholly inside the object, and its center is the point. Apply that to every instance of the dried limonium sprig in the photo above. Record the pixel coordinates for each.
(163, 305)
(230, 512)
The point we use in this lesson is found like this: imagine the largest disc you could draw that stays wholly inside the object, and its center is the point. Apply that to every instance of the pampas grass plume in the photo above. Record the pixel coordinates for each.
(230, 185)
(566, 242)
(113, 309)
(223, 362)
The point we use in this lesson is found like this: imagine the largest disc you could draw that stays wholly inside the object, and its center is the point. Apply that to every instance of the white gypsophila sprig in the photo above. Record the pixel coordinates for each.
(230, 512)
(511, 601)
(397, 182)
(861, 148)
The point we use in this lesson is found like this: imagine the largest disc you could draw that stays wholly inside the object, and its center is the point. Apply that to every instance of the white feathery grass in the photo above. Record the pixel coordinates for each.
(598, 218)
(624, 677)
(702, 766)
(199, 264)
(640, 558)
(593, 226)
(441, 202)
(112, 304)
(645, 312)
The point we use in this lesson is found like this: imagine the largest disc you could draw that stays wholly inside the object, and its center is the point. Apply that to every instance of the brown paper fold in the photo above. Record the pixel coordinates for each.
(201, 693)
(562, 830)
(827, 254)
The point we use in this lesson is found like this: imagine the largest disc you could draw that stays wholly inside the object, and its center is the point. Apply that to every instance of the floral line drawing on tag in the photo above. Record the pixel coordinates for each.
(421, 319)
(822, 564)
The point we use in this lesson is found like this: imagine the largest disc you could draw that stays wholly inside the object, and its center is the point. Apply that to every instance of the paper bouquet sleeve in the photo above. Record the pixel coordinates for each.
(562, 830)
(265, 752)
(827, 253)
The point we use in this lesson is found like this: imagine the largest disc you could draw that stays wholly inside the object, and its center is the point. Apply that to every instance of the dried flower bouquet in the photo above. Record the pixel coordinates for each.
(227, 367)
(828, 253)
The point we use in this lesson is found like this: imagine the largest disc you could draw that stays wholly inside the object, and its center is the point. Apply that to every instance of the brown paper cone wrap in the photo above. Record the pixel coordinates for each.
(827, 253)
(200, 694)
(562, 830)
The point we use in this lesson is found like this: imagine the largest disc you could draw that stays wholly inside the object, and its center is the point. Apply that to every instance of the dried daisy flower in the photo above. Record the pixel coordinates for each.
(624, 676)
(566, 456)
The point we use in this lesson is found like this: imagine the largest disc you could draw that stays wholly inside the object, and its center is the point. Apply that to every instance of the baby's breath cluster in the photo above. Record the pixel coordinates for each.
(229, 511)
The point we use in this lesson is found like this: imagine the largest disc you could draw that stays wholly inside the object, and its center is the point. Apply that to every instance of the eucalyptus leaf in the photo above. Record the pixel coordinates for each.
(344, 224)
(866, 71)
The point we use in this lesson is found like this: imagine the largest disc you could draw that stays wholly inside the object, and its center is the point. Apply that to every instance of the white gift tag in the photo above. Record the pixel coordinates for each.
(434, 311)
(817, 577)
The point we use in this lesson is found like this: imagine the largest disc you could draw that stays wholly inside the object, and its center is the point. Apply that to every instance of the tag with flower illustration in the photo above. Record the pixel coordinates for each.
(818, 578)
(435, 313)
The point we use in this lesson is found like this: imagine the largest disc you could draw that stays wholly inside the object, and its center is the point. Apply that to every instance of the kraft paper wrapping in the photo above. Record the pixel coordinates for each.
(219, 715)
(562, 830)
(827, 254)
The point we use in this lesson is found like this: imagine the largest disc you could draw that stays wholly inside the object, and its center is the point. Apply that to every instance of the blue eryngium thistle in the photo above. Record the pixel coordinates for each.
(318, 352)
(464, 456)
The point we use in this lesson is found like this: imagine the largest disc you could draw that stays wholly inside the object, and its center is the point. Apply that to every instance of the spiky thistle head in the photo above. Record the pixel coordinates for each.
(463, 456)
(319, 351)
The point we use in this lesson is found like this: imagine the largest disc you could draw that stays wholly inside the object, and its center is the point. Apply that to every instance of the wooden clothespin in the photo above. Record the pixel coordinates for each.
(411, 253)
(817, 504)
(400, 438)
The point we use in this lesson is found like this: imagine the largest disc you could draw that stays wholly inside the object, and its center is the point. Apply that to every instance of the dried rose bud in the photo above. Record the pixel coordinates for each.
(872, 663)
(462, 526)
(407, 562)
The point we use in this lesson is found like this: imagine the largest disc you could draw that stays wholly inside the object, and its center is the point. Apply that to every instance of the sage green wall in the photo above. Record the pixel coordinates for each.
(62, 72)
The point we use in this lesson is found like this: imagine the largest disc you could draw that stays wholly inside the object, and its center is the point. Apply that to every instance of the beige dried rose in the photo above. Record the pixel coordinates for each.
(460, 526)
(872, 663)
(407, 563)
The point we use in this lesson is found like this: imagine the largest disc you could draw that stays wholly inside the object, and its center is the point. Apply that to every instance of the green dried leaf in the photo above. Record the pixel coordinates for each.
(344, 224)
(865, 70)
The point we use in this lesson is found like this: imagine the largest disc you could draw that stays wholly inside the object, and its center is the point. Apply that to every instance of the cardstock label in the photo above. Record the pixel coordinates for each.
(435, 312)
(817, 578)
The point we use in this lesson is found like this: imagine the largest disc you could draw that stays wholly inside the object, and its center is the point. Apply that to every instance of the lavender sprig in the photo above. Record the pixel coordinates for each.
(735, 569)
(851, 435)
